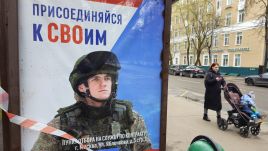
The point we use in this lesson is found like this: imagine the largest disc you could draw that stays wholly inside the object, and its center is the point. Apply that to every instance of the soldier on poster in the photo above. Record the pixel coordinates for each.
(97, 119)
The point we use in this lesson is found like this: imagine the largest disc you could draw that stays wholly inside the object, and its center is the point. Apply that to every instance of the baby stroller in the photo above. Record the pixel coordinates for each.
(237, 117)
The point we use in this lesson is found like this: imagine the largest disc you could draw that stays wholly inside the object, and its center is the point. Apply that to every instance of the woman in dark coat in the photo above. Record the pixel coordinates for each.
(213, 83)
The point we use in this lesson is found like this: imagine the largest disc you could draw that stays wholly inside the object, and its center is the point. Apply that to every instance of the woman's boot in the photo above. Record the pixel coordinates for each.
(205, 117)
(219, 120)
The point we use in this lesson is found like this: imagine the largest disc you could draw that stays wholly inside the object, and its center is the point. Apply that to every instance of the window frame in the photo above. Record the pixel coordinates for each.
(234, 62)
(213, 58)
(228, 19)
(240, 39)
(205, 59)
(229, 2)
(191, 59)
(222, 60)
(215, 40)
(226, 39)
(241, 15)
(184, 60)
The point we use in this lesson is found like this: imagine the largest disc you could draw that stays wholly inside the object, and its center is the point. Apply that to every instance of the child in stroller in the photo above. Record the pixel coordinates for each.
(241, 115)
(249, 107)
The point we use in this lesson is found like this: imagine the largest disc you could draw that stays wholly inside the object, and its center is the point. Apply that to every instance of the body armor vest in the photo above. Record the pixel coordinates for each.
(93, 126)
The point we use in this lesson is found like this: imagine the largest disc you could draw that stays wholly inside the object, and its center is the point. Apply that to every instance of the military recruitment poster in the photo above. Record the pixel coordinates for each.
(91, 68)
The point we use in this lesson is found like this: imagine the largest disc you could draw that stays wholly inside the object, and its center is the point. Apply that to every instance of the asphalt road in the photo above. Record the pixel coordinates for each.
(194, 89)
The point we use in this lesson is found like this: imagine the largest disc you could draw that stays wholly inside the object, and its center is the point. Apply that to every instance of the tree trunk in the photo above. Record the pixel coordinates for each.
(209, 48)
(198, 62)
(188, 53)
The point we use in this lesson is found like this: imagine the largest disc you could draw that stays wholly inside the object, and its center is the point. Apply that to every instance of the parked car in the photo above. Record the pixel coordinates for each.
(175, 69)
(193, 71)
(261, 79)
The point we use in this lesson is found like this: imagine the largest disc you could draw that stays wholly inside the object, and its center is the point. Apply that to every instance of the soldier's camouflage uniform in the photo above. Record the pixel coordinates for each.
(92, 126)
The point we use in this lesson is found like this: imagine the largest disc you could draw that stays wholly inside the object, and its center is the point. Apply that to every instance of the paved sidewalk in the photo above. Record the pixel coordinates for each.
(184, 122)
(200, 97)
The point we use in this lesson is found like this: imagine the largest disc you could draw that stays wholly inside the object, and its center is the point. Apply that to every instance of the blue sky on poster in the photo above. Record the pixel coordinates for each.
(139, 51)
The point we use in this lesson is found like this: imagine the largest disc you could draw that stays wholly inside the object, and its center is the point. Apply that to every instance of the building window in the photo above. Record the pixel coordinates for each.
(175, 47)
(176, 60)
(241, 15)
(205, 60)
(218, 5)
(225, 60)
(185, 44)
(184, 60)
(238, 40)
(229, 2)
(191, 60)
(191, 45)
(228, 18)
(192, 30)
(176, 19)
(215, 41)
(215, 58)
(237, 60)
(226, 39)
(209, 7)
(175, 33)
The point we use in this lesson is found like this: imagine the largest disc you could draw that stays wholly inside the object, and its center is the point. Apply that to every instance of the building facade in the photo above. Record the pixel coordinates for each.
(237, 43)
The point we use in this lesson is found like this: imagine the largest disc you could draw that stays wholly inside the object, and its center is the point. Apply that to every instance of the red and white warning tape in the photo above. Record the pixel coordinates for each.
(32, 124)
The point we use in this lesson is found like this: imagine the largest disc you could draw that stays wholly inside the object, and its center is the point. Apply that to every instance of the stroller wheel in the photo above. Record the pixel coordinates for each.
(244, 131)
(223, 124)
(255, 130)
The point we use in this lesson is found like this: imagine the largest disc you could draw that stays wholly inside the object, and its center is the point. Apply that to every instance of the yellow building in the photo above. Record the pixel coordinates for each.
(237, 43)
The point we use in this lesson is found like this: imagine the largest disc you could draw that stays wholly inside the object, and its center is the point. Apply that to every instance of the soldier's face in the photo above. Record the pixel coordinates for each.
(100, 86)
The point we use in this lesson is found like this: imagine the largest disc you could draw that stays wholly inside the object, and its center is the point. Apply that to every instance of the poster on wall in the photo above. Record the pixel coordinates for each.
(91, 68)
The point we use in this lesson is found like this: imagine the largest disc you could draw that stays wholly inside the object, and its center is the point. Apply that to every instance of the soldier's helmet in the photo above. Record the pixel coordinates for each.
(97, 62)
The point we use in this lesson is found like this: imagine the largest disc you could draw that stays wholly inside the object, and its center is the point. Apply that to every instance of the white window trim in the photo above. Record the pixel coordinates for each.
(223, 58)
(240, 59)
(204, 60)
